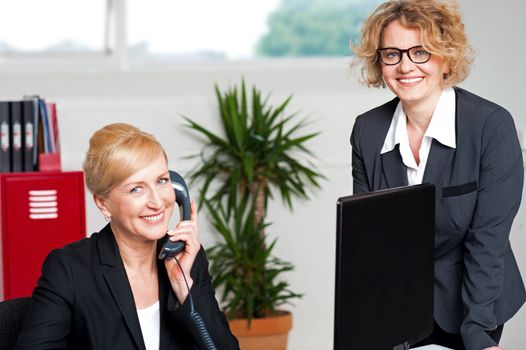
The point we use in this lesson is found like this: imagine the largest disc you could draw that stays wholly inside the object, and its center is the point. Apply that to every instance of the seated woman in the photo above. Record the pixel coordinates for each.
(110, 291)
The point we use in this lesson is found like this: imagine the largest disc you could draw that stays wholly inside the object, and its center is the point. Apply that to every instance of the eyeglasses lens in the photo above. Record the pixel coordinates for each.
(391, 56)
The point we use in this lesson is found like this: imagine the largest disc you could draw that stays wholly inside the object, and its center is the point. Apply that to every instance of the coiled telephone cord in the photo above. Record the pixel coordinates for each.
(196, 318)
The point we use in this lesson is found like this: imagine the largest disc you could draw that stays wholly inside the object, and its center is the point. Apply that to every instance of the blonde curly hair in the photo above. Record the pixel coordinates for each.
(442, 31)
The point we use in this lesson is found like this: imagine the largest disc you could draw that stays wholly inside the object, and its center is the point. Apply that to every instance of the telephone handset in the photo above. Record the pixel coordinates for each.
(182, 198)
(171, 249)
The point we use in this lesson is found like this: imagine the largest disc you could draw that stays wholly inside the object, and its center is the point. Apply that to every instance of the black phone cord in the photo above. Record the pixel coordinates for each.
(196, 318)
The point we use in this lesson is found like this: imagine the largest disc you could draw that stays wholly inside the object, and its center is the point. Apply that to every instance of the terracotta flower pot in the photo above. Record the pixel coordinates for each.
(269, 333)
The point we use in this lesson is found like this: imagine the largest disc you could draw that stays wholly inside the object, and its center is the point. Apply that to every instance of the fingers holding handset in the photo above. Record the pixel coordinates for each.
(188, 232)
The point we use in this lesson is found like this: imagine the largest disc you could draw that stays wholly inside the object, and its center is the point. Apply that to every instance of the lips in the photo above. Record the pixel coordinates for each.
(153, 218)
(410, 80)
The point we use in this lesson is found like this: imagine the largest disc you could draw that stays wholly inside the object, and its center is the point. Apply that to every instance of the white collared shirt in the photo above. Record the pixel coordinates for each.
(150, 321)
(441, 128)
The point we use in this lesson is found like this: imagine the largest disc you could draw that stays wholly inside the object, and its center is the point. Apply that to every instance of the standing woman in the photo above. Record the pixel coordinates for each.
(434, 132)
(109, 291)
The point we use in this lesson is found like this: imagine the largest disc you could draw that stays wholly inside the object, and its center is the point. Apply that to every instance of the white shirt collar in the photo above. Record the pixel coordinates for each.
(441, 127)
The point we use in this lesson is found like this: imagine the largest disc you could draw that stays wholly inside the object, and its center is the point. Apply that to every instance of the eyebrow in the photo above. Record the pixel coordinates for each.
(397, 48)
(139, 182)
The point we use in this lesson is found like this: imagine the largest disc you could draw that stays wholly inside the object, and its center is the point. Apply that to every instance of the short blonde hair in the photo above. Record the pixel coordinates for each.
(442, 33)
(116, 152)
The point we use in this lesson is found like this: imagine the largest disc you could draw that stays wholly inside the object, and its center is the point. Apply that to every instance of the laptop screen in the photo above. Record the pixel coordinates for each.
(384, 268)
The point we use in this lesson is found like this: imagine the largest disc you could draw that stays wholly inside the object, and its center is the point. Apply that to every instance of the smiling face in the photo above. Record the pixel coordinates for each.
(415, 84)
(140, 207)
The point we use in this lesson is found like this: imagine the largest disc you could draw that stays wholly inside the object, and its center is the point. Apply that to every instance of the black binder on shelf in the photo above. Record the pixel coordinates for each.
(385, 268)
(29, 116)
(30, 139)
(16, 136)
(5, 136)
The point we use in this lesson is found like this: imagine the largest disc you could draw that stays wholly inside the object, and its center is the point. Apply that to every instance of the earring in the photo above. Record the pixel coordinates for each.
(107, 218)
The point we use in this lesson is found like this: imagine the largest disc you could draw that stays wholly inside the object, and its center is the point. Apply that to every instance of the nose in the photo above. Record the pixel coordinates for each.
(155, 198)
(406, 65)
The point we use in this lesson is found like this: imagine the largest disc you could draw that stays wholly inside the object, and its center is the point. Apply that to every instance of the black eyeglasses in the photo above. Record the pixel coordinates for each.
(392, 55)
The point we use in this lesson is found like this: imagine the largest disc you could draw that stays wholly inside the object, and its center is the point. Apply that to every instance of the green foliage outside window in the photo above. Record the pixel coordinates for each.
(314, 27)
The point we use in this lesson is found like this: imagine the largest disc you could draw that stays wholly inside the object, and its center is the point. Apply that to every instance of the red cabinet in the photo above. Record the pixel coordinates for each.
(40, 211)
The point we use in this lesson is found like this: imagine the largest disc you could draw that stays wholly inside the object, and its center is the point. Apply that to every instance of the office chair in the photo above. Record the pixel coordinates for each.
(12, 315)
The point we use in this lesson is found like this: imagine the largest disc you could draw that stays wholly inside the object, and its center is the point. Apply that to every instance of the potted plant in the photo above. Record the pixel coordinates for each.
(260, 151)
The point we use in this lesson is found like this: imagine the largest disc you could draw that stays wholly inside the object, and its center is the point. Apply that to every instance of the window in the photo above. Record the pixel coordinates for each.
(141, 31)
(197, 29)
(239, 29)
(53, 26)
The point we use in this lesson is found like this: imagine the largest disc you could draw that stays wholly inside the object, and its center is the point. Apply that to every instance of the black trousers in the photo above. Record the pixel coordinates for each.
(453, 341)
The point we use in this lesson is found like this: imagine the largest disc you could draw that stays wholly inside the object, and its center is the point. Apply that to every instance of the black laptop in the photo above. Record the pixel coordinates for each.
(384, 268)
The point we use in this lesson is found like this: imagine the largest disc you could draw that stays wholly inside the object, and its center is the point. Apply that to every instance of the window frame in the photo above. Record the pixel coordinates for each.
(111, 56)
(116, 55)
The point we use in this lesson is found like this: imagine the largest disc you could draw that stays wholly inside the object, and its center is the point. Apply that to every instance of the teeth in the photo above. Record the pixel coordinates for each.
(410, 80)
(153, 218)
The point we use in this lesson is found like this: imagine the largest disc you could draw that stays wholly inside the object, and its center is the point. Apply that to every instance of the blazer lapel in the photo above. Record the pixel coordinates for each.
(394, 170)
(440, 156)
(438, 161)
(164, 290)
(118, 283)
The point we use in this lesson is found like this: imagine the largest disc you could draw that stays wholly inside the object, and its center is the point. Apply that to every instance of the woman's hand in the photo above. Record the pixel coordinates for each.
(188, 232)
(494, 348)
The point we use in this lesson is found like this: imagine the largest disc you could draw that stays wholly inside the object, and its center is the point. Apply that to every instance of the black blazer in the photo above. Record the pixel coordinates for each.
(479, 187)
(83, 300)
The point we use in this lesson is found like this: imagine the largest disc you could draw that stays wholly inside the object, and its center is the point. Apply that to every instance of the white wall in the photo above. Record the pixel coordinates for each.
(155, 99)
(497, 29)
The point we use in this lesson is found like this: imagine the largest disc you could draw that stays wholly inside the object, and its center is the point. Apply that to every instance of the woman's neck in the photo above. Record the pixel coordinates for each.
(418, 117)
(140, 264)
(419, 113)
(137, 255)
